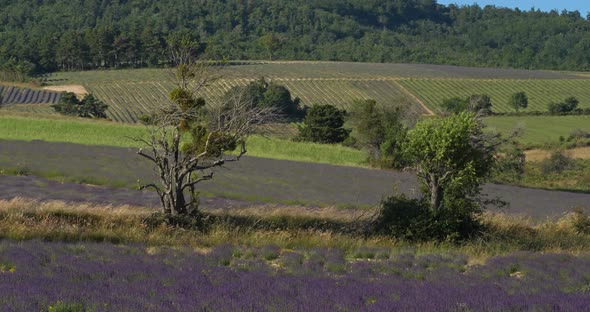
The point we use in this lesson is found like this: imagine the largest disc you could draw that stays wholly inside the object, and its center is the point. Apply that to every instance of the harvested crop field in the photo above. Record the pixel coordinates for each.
(252, 179)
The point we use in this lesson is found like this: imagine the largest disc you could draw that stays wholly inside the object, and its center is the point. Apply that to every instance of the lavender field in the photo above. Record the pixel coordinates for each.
(37, 276)
(252, 180)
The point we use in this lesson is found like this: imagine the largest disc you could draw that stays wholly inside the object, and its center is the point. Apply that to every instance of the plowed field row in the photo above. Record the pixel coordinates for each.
(540, 92)
(14, 95)
(129, 100)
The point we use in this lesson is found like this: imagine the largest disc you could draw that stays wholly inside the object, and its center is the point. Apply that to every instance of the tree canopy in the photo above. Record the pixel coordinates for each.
(45, 36)
(567, 106)
(270, 95)
(519, 100)
(453, 158)
(88, 107)
(380, 131)
(323, 124)
(476, 103)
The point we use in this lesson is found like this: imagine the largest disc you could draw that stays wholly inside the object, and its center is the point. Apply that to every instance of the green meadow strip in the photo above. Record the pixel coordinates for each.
(303, 151)
(539, 130)
(69, 131)
(120, 135)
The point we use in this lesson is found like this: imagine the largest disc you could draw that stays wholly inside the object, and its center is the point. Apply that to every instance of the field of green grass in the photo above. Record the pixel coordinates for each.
(87, 132)
(539, 130)
(540, 91)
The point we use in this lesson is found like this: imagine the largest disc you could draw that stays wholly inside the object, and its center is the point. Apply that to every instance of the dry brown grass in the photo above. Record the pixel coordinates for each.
(325, 213)
(22, 219)
(56, 220)
(79, 90)
(537, 155)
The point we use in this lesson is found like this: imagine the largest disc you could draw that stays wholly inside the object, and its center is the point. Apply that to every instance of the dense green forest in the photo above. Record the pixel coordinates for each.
(38, 36)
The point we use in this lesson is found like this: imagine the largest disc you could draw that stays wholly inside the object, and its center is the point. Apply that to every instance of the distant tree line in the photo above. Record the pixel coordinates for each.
(45, 36)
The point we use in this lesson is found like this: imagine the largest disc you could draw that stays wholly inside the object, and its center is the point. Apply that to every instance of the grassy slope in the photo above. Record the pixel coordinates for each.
(539, 130)
(115, 134)
(69, 130)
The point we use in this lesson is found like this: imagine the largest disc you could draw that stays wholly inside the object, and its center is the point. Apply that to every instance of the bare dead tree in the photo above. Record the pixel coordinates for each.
(187, 142)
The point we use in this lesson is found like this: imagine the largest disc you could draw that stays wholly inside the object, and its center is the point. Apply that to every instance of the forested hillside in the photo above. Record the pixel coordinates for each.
(44, 36)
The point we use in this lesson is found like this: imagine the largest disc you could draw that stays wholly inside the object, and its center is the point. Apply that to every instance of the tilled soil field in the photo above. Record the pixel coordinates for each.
(249, 181)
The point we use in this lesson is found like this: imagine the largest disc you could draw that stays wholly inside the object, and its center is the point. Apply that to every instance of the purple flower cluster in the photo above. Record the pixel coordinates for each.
(104, 277)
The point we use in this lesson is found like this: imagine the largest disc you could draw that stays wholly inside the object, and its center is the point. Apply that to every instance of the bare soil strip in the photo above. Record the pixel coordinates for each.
(76, 89)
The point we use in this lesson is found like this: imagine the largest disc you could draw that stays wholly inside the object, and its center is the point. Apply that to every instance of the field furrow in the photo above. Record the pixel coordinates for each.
(540, 92)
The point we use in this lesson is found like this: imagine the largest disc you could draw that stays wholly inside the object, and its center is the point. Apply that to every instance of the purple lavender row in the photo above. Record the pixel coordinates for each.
(14, 95)
(101, 277)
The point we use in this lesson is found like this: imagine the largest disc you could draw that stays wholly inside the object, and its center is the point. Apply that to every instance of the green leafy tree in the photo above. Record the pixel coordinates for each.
(270, 95)
(323, 124)
(567, 106)
(91, 107)
(453, 157)
(519, 100)
(454, 105)
(571, 103)
(88, 107)
(480, 103)
(271, 42)
(381, 132)
(477, 103)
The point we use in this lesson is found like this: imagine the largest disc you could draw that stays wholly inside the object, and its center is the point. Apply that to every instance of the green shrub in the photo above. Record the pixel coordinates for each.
(567, 106)
(380, 131)
(579, 134)
(519, 100)
(412, 219)
(480, 103)
(511, 163)
(557, 162)
(476, 103)
(88, 107)
(404, 218)
(581, 222)
(454, 105)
